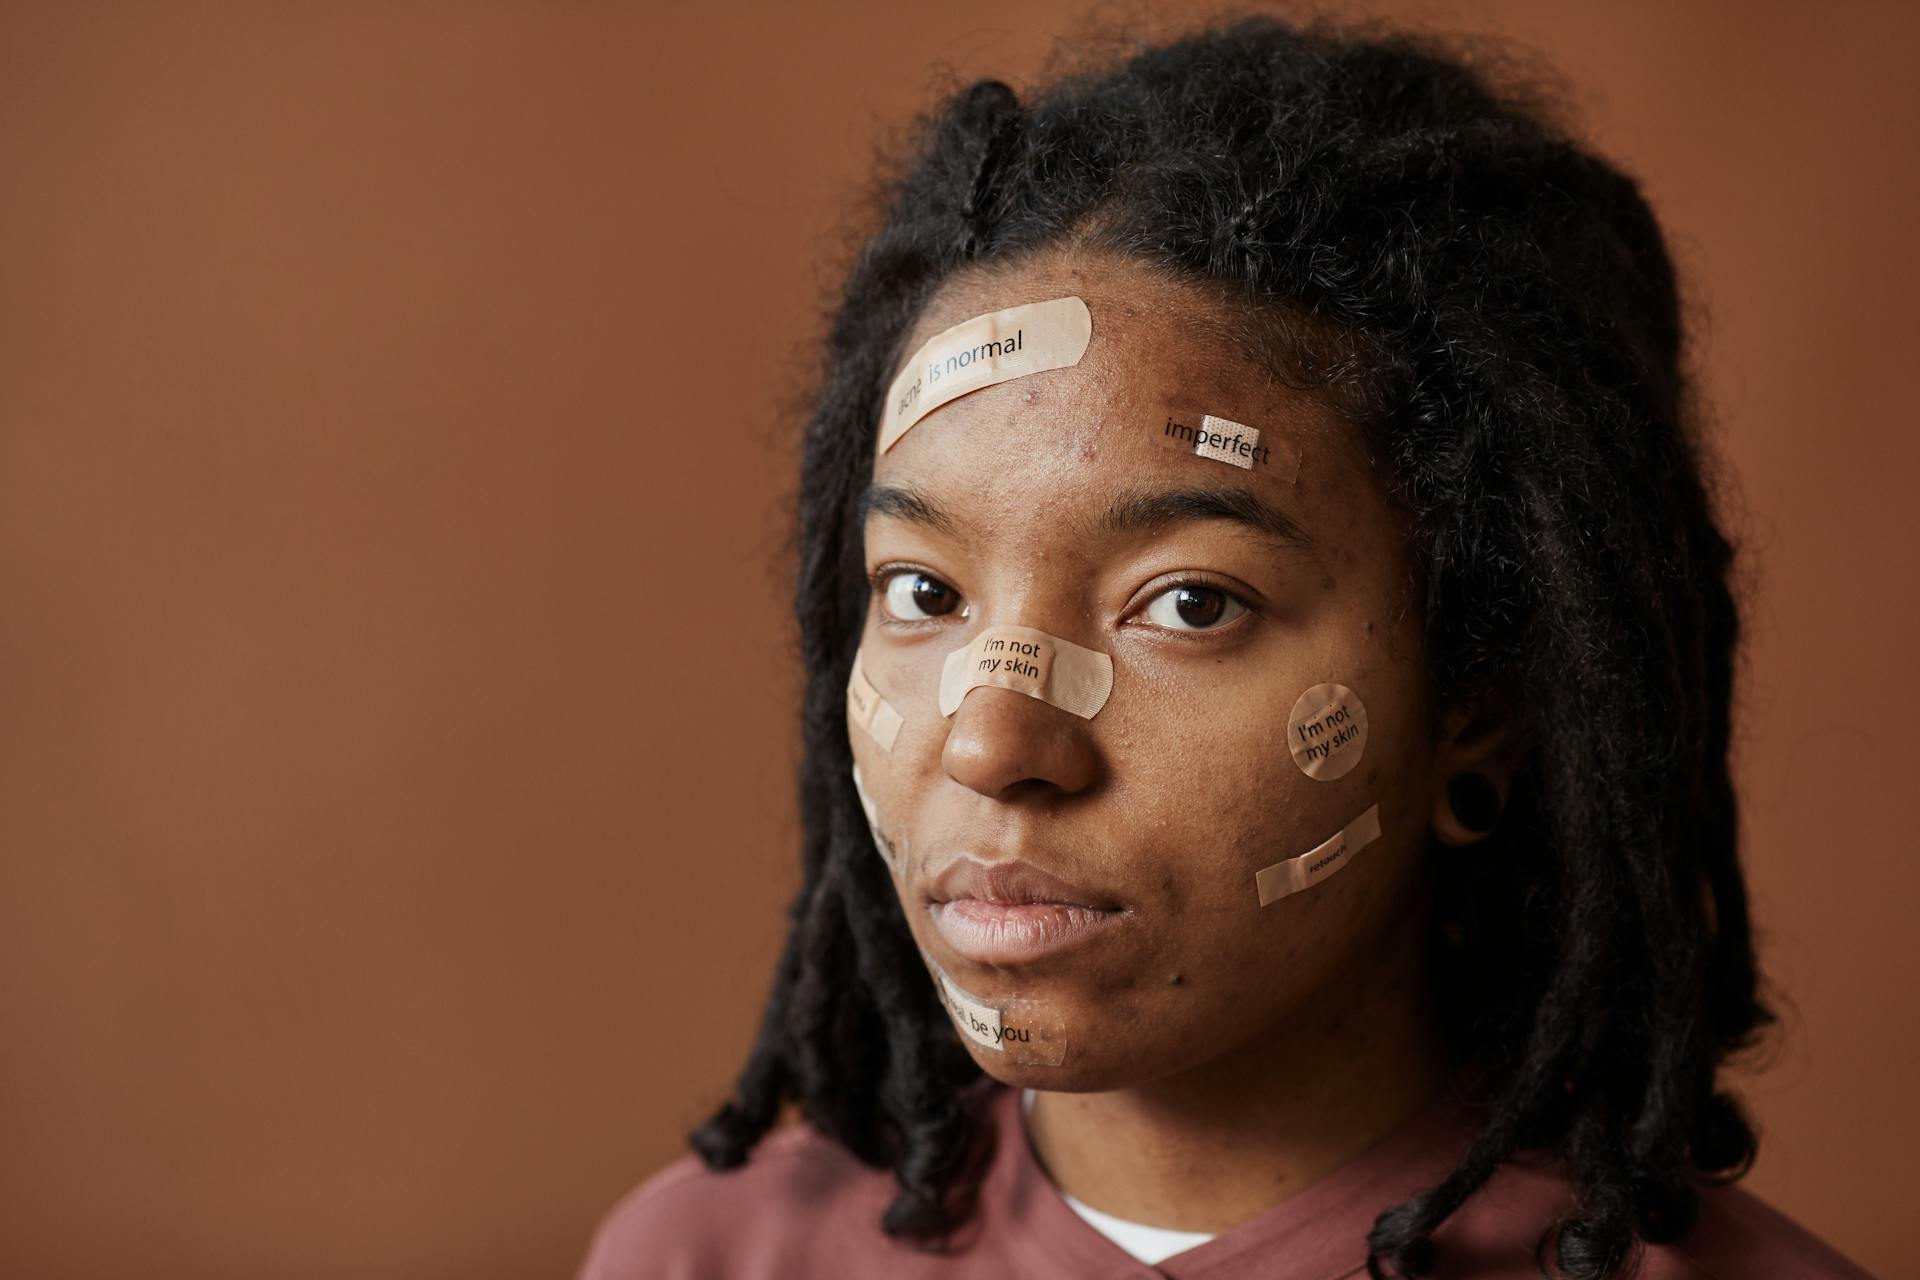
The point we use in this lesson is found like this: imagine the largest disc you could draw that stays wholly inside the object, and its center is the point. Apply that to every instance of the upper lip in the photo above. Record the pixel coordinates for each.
(1011, 883)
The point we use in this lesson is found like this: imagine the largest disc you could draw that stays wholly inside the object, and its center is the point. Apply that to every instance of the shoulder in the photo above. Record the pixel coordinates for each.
(1737, 1235)
(688, 1221)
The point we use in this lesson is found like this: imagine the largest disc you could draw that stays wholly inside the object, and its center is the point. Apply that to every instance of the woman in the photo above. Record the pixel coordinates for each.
(1270, 655)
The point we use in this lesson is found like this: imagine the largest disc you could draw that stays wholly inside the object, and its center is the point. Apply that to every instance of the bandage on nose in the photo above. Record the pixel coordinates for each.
(1023, 660)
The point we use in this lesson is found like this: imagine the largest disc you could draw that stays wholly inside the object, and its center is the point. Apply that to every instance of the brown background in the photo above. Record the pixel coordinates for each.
(394, 798)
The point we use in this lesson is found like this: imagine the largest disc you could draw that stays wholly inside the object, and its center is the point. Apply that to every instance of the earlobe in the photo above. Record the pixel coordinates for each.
(1468, 809)
(1476, 763)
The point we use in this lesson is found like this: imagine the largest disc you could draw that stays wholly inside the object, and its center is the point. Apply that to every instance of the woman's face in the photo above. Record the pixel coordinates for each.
(1222, 595)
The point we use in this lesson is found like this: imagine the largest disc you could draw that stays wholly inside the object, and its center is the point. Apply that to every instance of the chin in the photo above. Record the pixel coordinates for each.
(1075, 1075)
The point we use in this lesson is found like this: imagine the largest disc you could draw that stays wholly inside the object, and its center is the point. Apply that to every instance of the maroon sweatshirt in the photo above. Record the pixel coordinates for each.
(803, 1208)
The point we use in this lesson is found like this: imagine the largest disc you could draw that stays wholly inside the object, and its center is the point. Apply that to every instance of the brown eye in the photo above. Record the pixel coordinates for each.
(912, 596)
(1193, 607)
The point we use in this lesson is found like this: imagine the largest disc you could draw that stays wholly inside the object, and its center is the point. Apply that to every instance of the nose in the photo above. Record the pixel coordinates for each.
(1000, 741)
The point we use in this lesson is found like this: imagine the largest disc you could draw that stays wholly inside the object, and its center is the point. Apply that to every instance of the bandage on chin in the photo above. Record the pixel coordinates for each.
(1025, 1031)
(981, 352)
(1023, 660)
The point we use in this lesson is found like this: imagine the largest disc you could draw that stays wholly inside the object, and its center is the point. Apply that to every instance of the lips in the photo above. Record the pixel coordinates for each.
(1011, 913)
(1015, 882)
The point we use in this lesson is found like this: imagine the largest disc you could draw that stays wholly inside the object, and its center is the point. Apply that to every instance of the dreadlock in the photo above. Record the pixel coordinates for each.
(1513, 353)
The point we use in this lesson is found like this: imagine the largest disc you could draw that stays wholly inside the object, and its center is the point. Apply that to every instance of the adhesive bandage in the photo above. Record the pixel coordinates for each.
(1327, 731)
(1206, 436)
(1023, 1030)
(1319, 862)
(895, 856)
(867, 709)
(1023, 660)
(983, 351)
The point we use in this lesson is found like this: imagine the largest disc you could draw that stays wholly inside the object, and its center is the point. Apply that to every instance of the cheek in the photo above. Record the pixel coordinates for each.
(1202, 803)
(876, 784)
(1212, 775)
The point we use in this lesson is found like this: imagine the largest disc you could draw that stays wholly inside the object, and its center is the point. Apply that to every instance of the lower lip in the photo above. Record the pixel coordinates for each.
(1004, 933)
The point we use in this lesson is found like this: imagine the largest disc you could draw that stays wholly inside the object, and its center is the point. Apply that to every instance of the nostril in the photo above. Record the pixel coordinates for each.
(999, 740)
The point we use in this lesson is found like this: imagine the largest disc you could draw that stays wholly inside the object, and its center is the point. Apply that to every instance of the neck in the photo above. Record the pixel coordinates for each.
(1209, 1148)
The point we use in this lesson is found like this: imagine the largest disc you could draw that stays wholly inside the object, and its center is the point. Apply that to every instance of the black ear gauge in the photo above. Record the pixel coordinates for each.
(1476, 802)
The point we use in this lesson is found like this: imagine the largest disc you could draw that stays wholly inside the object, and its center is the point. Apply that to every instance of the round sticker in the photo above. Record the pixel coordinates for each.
(1327, 732)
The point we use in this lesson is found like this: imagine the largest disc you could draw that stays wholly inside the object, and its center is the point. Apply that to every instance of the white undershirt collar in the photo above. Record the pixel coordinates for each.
(1150, 1245)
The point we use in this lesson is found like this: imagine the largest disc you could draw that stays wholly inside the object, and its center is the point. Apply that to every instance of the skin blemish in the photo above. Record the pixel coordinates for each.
(1172, 799)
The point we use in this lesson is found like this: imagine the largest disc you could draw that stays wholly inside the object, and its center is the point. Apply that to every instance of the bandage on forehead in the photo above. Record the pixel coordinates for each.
(981, 352)
(867, 709)
(1185, 430)
(1023, 660)
(1025, 1031)
(1207, 436)
(1319, 862)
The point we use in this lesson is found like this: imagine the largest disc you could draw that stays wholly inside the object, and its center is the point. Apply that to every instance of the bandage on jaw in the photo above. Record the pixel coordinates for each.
(981, 352)
(1023, 660)
(1319, 862)
(867, 709)
(1023, 1030)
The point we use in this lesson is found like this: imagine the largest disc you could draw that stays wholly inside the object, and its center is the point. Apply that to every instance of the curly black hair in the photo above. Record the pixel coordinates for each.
(1498, 314)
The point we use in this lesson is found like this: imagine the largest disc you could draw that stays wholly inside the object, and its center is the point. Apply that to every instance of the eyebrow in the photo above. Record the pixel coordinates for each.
(1137, 511)
(1147, 510)
(905, 503)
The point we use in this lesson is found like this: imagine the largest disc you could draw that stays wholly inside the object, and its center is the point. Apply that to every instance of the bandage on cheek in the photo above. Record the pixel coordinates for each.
(892, 852)
(1023, 660)
(870, 712)
(1316, 864)
(1327, 731)
(1025, 1031)
(981, 352)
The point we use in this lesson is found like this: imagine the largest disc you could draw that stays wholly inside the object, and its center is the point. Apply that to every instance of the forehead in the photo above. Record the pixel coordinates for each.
(1132, 305)
(1159, 348)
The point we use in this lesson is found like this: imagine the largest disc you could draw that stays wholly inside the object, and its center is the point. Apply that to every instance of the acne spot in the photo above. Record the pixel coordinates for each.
(1369, 628)
(1326, 584)
(1174, 981)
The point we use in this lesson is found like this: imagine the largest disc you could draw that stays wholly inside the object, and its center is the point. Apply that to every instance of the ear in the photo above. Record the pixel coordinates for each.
(1480, 750)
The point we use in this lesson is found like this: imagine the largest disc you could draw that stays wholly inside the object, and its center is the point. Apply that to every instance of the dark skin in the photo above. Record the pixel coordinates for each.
(1223, 1055)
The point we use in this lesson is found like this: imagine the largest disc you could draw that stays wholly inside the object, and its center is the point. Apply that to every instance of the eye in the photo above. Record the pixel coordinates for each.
(1193, 606)
(913, 596)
